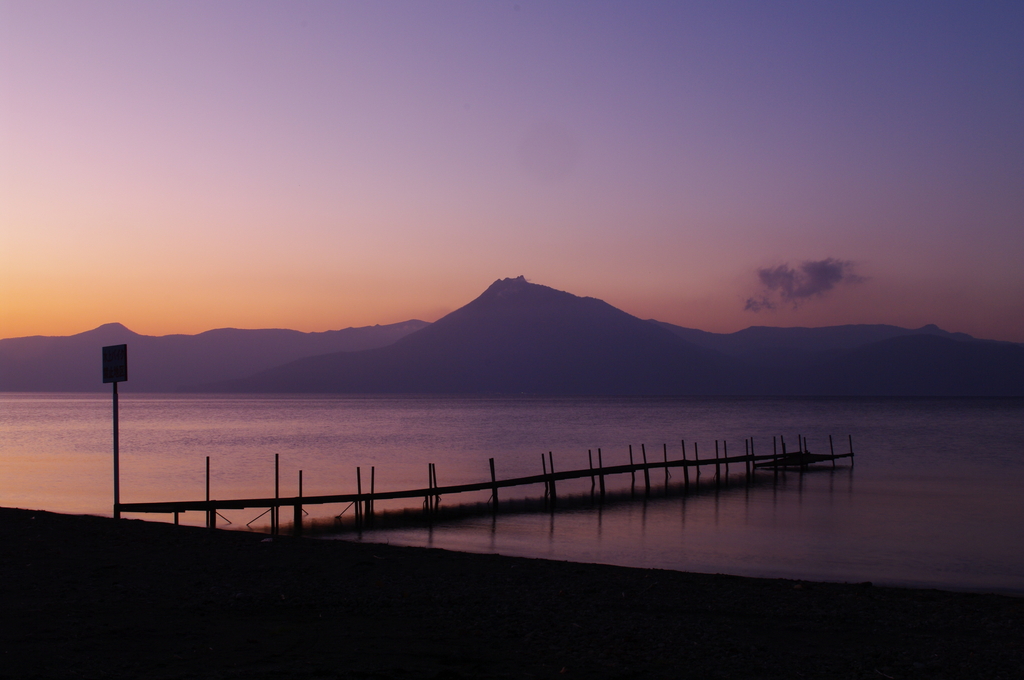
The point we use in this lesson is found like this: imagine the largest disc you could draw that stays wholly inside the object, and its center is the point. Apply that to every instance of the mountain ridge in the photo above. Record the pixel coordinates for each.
(521, 337)
(163, 363)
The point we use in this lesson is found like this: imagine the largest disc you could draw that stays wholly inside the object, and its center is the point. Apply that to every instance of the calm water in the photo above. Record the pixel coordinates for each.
(934, 498)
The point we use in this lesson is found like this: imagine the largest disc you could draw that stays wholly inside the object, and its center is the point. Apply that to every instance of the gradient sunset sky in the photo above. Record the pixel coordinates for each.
(182, 166)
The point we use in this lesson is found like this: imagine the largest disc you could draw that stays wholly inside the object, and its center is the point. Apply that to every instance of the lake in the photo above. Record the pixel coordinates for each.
(933, 499)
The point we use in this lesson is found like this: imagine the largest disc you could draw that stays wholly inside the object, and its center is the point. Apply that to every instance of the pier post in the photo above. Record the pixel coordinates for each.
(775, 456)
(433, 485)
(369, 503)
(428, 499)
(210, 521)
(696, 463)
(297, 521)
(554, 494)
(600, 467)
(746, 459)
(590, 461)
(725, 454)
(664, 450)
(718, 468)
(686, 468)
(494, 489)
(632, 472)
(753, 460)
(275, 511)
(851, 450)
(647, 473)
(832, 450)
(547, 482)
(359, 498)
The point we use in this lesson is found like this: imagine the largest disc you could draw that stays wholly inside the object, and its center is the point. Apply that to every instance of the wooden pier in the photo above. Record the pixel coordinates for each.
(362, 502)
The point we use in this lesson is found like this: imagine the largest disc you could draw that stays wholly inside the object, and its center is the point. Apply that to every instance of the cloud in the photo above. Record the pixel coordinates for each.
(784, 285)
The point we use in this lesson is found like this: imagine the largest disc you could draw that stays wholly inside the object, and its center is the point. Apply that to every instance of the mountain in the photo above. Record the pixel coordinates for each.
(517, 337)
(164, 363)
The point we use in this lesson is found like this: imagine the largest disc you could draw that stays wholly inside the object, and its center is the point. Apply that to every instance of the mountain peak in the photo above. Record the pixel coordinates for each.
(110, 332)
(510, 286)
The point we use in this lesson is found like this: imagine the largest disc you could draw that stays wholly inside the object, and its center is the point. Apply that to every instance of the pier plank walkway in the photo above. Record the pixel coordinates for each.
(363, 501)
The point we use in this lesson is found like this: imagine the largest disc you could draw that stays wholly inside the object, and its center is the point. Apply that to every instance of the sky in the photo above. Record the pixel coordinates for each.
(182, 166)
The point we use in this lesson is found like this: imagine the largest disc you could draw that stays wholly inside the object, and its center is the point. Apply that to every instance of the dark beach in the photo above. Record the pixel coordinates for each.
(90, 597)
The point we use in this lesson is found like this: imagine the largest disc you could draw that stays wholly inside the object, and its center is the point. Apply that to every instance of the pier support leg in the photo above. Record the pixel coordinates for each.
(747, 462)
(725, 454)
(359, 498)
(664, 451)
(494, 490)
(686, 468)
(718, 467)
(632, 472)
(647, 473)
(696, 463)
(554, 494)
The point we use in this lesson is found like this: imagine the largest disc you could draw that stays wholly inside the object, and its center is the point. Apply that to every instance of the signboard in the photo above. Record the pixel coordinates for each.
(115, 363)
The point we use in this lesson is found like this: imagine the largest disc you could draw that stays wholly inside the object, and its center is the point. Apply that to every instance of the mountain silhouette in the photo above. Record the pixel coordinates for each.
(799, 348)
(523, 338)
(164, 363)
(517, 337)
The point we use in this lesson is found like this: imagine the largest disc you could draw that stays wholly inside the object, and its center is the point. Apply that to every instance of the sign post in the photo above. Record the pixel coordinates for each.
(115, 370)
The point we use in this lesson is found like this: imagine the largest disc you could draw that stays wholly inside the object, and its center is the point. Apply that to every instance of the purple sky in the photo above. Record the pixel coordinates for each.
(185, 166)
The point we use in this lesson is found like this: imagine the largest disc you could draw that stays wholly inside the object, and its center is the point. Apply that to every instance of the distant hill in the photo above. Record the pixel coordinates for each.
(923, 365)
(517, 337)
(164, 363)
(794, 348)
(869, 360)
(756, 339)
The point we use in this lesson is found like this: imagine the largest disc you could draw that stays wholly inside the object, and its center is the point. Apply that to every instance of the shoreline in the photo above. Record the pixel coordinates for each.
(89, 596)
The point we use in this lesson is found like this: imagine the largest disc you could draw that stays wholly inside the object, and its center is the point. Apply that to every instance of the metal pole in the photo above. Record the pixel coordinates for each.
(117, 462)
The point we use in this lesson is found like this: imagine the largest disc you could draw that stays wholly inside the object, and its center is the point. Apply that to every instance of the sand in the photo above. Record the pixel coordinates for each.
(91, 597)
